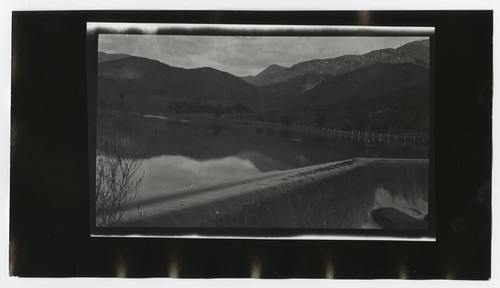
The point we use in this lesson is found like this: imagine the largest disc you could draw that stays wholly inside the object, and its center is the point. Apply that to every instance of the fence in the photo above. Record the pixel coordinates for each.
(366, 136)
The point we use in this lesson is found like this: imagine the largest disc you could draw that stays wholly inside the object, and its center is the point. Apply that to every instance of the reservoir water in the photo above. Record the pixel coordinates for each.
(179, 155)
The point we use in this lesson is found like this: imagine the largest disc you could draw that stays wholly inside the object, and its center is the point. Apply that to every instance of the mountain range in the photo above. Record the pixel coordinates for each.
(416, 52)
(387, 86)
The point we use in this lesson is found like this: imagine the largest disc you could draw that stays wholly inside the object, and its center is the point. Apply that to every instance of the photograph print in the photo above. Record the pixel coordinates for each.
(315, 130)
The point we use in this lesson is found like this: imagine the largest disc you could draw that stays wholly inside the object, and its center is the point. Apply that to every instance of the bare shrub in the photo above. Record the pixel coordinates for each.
(118, 180)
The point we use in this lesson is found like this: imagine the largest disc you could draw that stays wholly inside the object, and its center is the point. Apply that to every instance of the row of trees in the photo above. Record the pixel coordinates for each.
(217, 110)
(287, 119)
(356, 120)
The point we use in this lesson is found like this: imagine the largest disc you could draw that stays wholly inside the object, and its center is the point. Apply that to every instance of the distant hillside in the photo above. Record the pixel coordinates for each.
(366, 83)
(381, 97)
(416, 52)
(148, 84)
(103, 57)
(290, 88)
(268, 72)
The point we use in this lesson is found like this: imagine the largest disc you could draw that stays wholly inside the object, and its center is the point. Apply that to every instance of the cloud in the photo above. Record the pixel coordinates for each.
(242, 55)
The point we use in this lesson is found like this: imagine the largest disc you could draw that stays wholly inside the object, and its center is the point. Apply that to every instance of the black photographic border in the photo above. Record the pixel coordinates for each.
(49, 231)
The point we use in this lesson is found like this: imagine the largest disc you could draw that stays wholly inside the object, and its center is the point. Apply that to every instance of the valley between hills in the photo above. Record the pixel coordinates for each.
(385, 91)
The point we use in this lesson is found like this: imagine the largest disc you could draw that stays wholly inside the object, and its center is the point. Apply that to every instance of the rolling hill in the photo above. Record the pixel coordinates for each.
(148, 84)
(380, 97)
(416, 52)
(266, 73)
(366, 84)
(103, 57)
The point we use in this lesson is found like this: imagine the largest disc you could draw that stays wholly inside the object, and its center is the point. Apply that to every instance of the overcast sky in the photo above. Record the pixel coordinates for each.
(238, 55)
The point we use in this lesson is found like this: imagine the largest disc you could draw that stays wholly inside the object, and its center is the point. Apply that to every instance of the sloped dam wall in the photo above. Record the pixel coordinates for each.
(333, 195)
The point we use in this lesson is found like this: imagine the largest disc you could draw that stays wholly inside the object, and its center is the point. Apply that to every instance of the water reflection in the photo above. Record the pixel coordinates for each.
(182, 154)
(167, 173)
